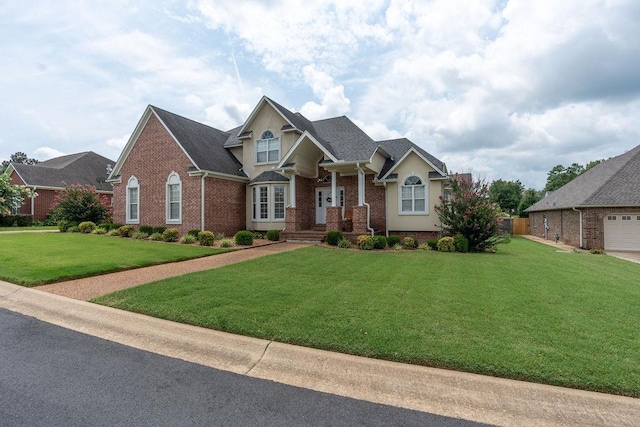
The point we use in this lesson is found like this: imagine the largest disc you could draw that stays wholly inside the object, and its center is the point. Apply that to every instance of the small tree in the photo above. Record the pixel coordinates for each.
(79, 203)
(11, 196)
(468, 212)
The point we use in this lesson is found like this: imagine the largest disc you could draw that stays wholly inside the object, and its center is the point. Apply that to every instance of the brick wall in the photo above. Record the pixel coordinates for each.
(225, 206)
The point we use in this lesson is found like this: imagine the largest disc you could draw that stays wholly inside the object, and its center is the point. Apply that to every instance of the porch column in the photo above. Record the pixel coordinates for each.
(334, 189)
(292, 191)
(360, 187)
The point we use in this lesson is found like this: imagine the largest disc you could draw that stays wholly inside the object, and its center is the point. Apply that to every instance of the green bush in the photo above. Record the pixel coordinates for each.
(424, 247)
(155, 237)
(16, 220)
(86, 227)
(64, 225)
(410, 243)
(104, 225)
(244, 238)
(147, 229)
(397, 247)
(74, 229)
(433, 244)
(188, 239)
(219, 236)
(125, 231)
(194, 232)
(364, 242)
(257, 235)
(113, 233)
(99, 231)
(461, 243)
(226, 243)
(170, 235)
(140, 235)
(206, 238)
(597, 251)
(273, 235)
(344, 243)
(161, 229)
(334, 237)
(393, 240)
(379, 242)
(446, 244)
(80, 203)
(115, 225)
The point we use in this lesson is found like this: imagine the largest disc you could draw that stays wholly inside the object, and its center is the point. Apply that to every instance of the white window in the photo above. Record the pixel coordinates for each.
(133, 201)
(269, 202)
(174, 199)
(413, 196)
(267, 148)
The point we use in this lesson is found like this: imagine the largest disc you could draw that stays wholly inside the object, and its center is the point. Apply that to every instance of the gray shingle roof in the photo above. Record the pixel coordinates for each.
(86, 168)
(269, 176)
(614, 182)
(204, 144)
(396, 148)
(344, 139)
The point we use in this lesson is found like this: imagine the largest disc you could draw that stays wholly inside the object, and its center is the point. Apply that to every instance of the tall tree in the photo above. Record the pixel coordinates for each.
(560, 175)
(18, 157)
(506, 194)
(529, 197)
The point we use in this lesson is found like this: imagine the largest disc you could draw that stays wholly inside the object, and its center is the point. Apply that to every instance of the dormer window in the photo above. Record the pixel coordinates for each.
(268, 148)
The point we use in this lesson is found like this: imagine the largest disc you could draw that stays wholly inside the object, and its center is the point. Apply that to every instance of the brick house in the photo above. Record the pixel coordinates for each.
(278, 170)
(48, 177)
(598, 209)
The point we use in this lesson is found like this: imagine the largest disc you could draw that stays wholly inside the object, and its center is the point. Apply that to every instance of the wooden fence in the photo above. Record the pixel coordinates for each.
(520, 226)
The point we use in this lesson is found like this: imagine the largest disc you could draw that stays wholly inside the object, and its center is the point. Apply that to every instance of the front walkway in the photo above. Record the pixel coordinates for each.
(627, 256)
(91, 287)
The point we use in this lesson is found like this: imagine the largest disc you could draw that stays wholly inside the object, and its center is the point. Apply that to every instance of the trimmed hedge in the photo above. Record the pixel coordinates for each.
(206, 238)
(379, 242)
(333, 237)
(273, 235)
(16, 220)
(244, 238)
(147, 229)
(394, 240)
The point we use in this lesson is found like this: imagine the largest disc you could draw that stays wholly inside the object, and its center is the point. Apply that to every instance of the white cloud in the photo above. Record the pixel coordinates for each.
(46, 153)
(118, 143)
(333, 101)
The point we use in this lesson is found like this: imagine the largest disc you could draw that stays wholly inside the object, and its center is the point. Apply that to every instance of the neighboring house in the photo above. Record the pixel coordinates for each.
(278, 170)
(48, 177)
(598, 209)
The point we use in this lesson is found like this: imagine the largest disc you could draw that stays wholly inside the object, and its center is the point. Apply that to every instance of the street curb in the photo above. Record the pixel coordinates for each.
(449, 393)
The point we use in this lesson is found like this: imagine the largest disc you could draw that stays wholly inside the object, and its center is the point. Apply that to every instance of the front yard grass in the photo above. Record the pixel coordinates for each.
(526, 312)
(32, 259)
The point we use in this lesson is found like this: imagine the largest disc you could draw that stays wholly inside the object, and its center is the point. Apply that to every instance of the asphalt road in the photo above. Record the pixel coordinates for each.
(56, 377)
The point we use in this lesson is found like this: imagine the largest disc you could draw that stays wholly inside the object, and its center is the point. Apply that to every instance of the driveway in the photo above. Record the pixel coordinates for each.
(629, 256)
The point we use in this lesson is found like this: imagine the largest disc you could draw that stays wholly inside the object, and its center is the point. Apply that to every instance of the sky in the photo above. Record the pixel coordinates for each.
(503, 89)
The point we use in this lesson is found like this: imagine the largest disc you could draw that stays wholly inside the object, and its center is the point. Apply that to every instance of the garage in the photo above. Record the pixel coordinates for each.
(622, 232)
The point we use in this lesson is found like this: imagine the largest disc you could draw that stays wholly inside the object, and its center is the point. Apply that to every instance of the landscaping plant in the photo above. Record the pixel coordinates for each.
(334, 237)
(80, 203)
(273, 235)
(244, 238)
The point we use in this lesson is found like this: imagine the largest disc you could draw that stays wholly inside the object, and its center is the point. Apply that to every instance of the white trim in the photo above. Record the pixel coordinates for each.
(401, 185)
(256, 207)
(409, 151)
(284, 159)
(173, 179)
(258, 107)
(267, 140)
(210, 174)
(130, 220)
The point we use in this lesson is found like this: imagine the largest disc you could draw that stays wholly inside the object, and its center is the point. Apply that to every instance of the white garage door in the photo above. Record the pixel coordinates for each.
(622, 232)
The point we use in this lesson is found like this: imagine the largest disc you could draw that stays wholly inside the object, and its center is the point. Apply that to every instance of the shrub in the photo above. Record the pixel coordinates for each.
(226, 243)
(64, 225)
(140, 235)
(170, 235)
(257, 235)
(446, 244)
(86, 227)
(188, 239)
(73, 229)
(80, 203)
(16, 220)
(273, 235)
(410, 243)
(397, 247)
(206, 238)
(364, 242)
(113, 233)
(115, 225)
(194, 232)
(219, 236)
(433, 244)
(161, 229)
(155, 237)
(100, 231)
(125, 231)
(393, 240)
(104, 225)
(461, 243)
(334, 237)
(379, 242)
(147, 229)
(424, 247)
(597, 251)
(244, 238)
(344, 243)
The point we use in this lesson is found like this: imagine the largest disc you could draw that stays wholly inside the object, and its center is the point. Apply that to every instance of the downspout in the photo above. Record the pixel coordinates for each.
(580, 212)
(364, 201)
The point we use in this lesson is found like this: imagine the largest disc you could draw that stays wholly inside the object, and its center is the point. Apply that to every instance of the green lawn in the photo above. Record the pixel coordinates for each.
(32, 259)
(49, 227)
(526, 312)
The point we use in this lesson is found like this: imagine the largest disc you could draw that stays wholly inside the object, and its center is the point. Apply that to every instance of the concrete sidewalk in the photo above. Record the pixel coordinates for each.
(461, 395)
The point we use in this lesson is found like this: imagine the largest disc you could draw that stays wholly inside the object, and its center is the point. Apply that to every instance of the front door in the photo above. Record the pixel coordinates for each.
(323, 199)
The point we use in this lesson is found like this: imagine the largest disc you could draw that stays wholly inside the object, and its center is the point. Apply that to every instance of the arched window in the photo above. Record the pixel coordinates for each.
(174, 199)
(267, 148)
(413, 196)
(133, 201)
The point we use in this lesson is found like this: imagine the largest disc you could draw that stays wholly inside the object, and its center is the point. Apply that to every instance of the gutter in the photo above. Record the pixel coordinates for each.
(364, 201)
(579, 211)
